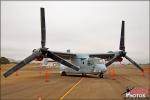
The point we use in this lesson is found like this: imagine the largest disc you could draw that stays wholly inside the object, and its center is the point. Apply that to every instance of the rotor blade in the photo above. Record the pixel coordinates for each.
(134, 63)
(43, 28)
(111, 61)
(122, 44)
(61, 60)
(22, 63)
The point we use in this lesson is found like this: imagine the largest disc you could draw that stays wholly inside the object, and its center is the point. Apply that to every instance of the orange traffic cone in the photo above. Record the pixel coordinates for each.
(149, 71)
(16, 73)
(39, 97)
(143, 74)
(113, 74)
(40, 69)
(46, 75)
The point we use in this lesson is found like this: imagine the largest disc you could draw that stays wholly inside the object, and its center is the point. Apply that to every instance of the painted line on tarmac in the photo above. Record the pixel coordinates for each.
(61, 98)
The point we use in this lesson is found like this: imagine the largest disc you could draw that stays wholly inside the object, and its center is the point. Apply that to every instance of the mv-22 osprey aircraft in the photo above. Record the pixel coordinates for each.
(79, 63)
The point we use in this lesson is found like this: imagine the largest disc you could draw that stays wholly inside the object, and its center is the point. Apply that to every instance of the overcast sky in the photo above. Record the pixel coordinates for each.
(82, 26)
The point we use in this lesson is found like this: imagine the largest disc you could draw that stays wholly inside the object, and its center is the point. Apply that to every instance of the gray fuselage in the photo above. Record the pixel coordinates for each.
(87, 65)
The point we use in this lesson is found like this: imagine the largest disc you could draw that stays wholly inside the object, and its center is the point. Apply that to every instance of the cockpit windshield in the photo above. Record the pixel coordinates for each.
(95, 61)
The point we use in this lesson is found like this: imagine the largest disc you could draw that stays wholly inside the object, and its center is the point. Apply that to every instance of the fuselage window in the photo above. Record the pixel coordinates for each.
(83, 62)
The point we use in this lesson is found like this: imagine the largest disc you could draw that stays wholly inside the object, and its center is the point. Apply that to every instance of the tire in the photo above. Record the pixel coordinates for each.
(63, 73)
(101, 75)
(83, 74)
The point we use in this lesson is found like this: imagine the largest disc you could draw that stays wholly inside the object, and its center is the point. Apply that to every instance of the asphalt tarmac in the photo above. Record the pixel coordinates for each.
(29, 83)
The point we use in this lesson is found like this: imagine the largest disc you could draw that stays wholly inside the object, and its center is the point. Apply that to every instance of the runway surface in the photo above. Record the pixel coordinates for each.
(29, 84)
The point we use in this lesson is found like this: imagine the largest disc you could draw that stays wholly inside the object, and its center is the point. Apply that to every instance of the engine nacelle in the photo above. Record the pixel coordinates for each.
(119, 59)
(39, 58)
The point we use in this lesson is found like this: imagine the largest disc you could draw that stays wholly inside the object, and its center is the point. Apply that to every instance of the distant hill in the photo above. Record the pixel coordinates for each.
(11, 60)
(4, 60)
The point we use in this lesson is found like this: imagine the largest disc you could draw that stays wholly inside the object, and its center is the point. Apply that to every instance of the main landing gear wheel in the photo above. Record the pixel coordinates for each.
(83, 74)
(63, 73)
(101, 75)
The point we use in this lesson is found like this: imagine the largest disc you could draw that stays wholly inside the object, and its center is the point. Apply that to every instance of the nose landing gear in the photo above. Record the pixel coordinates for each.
(63, 73)
(101, 75)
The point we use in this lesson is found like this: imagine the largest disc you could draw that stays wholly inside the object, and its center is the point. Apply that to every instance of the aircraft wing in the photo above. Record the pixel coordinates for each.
(103, 55)
(64, 55)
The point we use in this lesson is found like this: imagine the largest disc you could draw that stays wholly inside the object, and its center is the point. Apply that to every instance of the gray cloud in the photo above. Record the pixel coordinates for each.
(82, 26)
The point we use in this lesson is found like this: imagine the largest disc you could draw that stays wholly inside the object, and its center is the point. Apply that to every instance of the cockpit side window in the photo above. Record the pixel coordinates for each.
(94, 61)
(89, 63)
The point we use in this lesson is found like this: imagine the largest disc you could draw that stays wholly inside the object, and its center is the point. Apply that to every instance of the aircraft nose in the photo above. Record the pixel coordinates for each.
(103, 67)
(100, 68)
